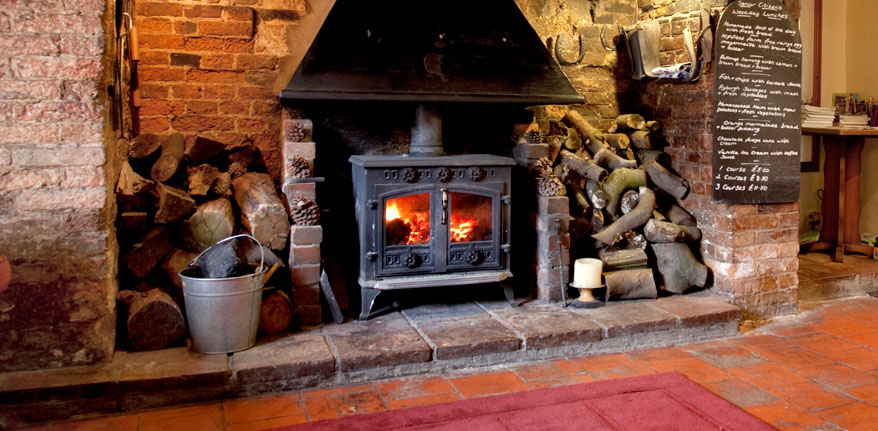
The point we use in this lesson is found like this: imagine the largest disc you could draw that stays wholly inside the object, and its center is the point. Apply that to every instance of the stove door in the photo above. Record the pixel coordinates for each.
(406, 233)
(475, 228)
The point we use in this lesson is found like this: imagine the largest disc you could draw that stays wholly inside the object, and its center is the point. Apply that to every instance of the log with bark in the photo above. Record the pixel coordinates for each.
(575, 182)
(666, 180)
(144, 145)
(631, 284)
(554, 143)
(664, 232)
(657, 156)
(597, 220)
(172, 153)
(653, 126)
(619, 141)
(583, 166)
(629, 201)
(585, 130)
(634, 219)
(154, 319)
(155, 245)
(213, 220)
(573, 142)
(203, 148)
(676, 214)
(640, 140)
(595, 194)
(173, 204)
(131, 184)
(607, 157)
(617, 182)
(275, 313)
(623, 259)
(177, 260)
(678, 268)
(629, 122)
(262, 211)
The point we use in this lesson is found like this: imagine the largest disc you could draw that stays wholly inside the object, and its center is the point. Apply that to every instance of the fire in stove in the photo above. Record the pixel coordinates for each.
(408, 220)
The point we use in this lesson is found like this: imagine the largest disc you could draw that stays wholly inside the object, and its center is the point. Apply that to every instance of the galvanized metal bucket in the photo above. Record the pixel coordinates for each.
(223, 313)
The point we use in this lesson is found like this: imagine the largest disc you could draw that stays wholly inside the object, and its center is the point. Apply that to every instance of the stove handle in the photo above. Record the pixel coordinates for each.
(444, 206)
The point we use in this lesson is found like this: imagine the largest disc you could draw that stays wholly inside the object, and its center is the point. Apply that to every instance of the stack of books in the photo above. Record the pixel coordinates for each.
(816, 116)
(853, 121)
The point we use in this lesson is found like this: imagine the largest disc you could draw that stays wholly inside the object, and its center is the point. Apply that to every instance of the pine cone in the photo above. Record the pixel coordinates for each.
(304, 211)
(237, 169)
(299, 168)
(222, 184)
(294, 132)
(534, 137)
(550, 186)
(543, 167)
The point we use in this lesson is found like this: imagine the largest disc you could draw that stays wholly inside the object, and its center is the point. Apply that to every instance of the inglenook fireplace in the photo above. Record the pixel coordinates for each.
(431, 221)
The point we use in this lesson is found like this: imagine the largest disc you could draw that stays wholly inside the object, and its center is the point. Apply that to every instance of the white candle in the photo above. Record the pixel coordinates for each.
(587, 272)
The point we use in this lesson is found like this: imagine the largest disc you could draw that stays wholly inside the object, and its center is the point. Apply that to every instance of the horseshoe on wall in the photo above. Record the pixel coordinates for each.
(560, 57)
(608, 46)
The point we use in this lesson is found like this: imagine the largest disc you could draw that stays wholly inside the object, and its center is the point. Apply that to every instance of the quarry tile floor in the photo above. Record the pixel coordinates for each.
(817, 370)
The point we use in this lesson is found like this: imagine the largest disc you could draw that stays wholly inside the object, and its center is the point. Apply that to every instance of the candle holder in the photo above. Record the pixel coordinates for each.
(586, 297)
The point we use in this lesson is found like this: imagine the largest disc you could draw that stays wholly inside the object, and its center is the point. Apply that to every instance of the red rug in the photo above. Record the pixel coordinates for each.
(656, 402)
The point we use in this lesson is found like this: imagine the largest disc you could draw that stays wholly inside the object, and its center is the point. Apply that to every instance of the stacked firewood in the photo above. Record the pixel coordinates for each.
(624, 194)
(176, 200)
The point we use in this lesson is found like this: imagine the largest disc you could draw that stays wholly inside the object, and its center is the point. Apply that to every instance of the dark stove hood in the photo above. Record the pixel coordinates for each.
(429, 52)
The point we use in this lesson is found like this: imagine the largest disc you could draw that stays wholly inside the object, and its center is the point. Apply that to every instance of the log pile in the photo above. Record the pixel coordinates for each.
(176, 198)
(624, 197)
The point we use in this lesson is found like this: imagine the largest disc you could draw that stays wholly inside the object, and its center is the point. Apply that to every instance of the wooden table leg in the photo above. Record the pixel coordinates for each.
(838, 256)
(829, 235)
(853, 172)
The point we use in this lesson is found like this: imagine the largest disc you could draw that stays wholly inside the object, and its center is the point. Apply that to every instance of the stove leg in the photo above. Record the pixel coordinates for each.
(367, 300)
(509, 292)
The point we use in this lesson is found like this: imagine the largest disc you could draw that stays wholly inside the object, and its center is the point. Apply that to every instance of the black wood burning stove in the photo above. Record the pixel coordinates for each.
(431, 221)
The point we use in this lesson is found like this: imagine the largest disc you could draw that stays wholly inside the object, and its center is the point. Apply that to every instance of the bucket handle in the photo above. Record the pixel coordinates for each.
(261, 250)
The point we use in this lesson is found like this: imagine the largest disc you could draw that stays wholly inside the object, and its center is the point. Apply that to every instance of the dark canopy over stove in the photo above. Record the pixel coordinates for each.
(430, 51)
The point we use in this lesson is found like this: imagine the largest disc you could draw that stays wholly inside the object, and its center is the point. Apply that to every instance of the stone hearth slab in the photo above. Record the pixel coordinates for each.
(287, 358)
(379, 342)
(628, 318)
(698, 309)
(472, 332)
(548, 325)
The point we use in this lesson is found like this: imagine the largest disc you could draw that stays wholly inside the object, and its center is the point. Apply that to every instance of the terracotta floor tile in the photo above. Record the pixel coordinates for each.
(254, 408)
(426, 400)
(867, 340)
(201, 422)
(837, 376)
(33, 428)
(107, 423)
(560, 381)
(693, 368)
(343, 405)
(662, 354)
(756, 342)
(488, 384)
(404, 389)
(740, 393)
(175, 412)
(823, 343)
(865, 393)
(767, 374)
(784, 416)
(861, 358)
(857, 416)
(545, 370)
(842, 326)
(268, 424)
(724, 356)
(794, 357)
(810, 396)
(789, 329)
(332, 392)
(613, 366)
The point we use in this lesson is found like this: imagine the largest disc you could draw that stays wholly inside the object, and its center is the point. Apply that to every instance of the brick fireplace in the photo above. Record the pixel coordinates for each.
(217, 68)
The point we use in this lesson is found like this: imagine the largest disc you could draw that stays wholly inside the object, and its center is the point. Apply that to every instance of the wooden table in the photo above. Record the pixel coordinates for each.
(841, 204)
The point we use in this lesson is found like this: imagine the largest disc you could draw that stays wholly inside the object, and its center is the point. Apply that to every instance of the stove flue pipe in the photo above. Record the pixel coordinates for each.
(426, 132)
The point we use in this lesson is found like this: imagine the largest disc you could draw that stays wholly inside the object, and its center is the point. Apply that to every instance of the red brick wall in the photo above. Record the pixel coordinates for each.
(211, 67)
(54, 206)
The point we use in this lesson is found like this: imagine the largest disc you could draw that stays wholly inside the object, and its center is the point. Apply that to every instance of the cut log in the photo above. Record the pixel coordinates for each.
(659, 216)
(144, 145)
(554, 143)
(623, 259)
(597, 220)
(678, 268)
(212, 221)
(156, 244)
(595, 194)
(636, 241)
(607, 157)
(666, 180)
(246, 156)
(653, 126)
(630, 122)
(619, 181)
(585, 129)
(177, 260)
(131, 224)
(664, 232)
(204, 147)
(640, 139)
(172, 153)
(154, 319)
(201, 179)
(676, 214)
(619, 141)
(276, 313)
(573, 142)
(262, 211)
(657, 156)
(574, 181)
(631, 284)
(131, 184)
(583, 166)
(629, 201)
(634, 219)
(173, 205)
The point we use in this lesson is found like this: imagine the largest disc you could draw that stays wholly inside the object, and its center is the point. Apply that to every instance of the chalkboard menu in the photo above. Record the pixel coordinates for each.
(757, 116)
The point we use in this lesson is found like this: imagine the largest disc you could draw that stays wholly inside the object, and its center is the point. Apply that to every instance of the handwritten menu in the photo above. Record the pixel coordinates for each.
(757, 116)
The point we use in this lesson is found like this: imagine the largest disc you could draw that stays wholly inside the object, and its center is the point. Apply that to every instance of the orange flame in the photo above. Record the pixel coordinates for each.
(461, 231)
(416, 221)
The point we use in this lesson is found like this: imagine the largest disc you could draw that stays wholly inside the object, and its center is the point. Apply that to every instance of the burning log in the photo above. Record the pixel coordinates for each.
(595, 194)
(631, 284)
(676, 214)
(585, 129)
(634, 219)
(666, 180)
(583, 166)
(620, 180)
(173, 205)
(172, 153)
(619, 141)
(262, 212)
(678, 267)
(629, 201)
(154, 319)
(275, 313)
(212, 221)
(665, 232)
(201, 179)
(640, 139)
(607, 157)
(203, 149)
